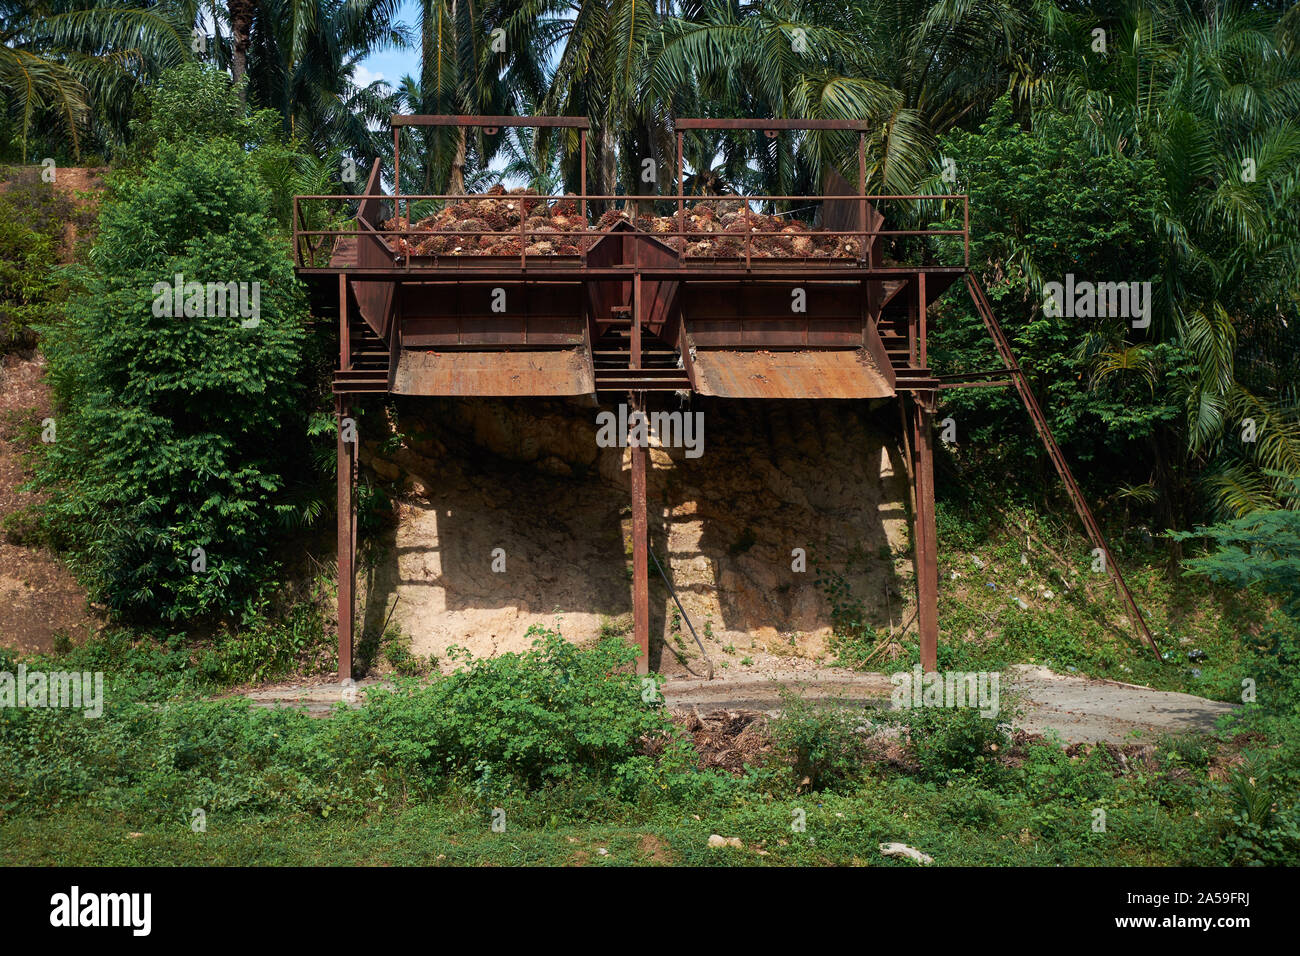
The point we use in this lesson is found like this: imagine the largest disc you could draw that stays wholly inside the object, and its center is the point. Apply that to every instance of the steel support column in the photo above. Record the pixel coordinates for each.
(347, 535)
(922, 325)
(640, 554)
(1054, 452)
(640, 517)
(924, 535)
(346, 538)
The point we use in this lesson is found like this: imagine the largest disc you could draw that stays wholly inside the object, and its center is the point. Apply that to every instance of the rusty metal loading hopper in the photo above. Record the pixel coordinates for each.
(746, 343)
(453, 342)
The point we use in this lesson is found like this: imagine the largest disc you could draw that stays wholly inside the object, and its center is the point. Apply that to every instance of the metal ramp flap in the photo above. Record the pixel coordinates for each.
(822, 373)
(545, 372)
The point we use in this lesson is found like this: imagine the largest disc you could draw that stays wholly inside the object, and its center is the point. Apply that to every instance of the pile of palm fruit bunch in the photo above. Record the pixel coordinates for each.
(716, 228)
(474, 226)
(709, 228)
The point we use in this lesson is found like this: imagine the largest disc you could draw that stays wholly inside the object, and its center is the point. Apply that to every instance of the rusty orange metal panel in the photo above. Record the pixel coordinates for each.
(446, 315)
(624, 244)
(845, 373)
(430, 332)
(759, 316)
(604, 296)
(374, 299)
(553, 372)
(877, 351)
(848, 215)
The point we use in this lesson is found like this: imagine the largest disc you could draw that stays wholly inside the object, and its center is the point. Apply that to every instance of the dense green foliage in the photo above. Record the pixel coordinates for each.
(71, 70)
(820, 742)
(1260, 549)
(570, 750)
(1133, 403)
(180, 436)
(31, 229)
(533, 718)
(1259, 554)
(1043, 205)
(544, 718)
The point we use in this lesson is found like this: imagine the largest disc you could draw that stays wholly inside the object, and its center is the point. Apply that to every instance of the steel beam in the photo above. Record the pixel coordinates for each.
(924, 535)
(985, 309)
(346, 540)
(345, 326)
(347, 535)
(640, 517)
(568, 269)
(640, 551)
(774, 124)
(922, 308)
(535, 122)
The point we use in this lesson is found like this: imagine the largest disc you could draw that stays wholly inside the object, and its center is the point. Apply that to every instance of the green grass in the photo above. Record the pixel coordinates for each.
(955, 825)
(1082, 629)
(414, 777)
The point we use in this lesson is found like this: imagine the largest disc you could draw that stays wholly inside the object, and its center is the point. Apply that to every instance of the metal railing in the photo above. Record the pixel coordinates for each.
(396, 248)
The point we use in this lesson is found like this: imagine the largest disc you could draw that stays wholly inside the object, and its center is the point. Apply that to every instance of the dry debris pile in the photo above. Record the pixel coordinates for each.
(727, 738)
(715, 228)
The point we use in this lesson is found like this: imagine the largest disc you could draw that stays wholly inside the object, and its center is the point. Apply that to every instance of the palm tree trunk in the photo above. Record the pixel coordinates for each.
(240, 13)
(429, 137)
(456, 183)
(606, 169)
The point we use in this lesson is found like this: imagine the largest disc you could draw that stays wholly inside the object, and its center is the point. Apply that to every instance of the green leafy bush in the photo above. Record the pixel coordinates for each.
(274, 638)
(178, 433)
(547, 718)
(31, 224)
(1049, 775)
(1263, 822)
(1035, 196)
(1259, 553)
(539, 716)
(948, 742)
(193, 103)
(823, 744)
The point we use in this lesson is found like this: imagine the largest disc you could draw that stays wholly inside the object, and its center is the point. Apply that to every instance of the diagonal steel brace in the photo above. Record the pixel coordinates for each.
(1053, 450)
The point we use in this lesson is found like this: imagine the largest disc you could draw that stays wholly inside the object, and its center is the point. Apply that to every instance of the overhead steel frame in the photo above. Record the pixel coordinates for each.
(918, 406)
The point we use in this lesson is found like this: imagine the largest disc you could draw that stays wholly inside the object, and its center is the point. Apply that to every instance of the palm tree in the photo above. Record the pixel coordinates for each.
(588, 59)
(68, 66)
(466, 67)
(302, 58)
(530, 160)
(239, 17)
(913, 69)
(1209, 93)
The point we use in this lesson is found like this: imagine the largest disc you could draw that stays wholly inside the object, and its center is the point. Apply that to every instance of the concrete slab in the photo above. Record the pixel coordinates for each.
(1081, 709)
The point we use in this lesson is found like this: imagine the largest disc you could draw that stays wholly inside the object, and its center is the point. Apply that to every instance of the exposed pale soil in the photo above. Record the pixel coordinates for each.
(528, 478)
